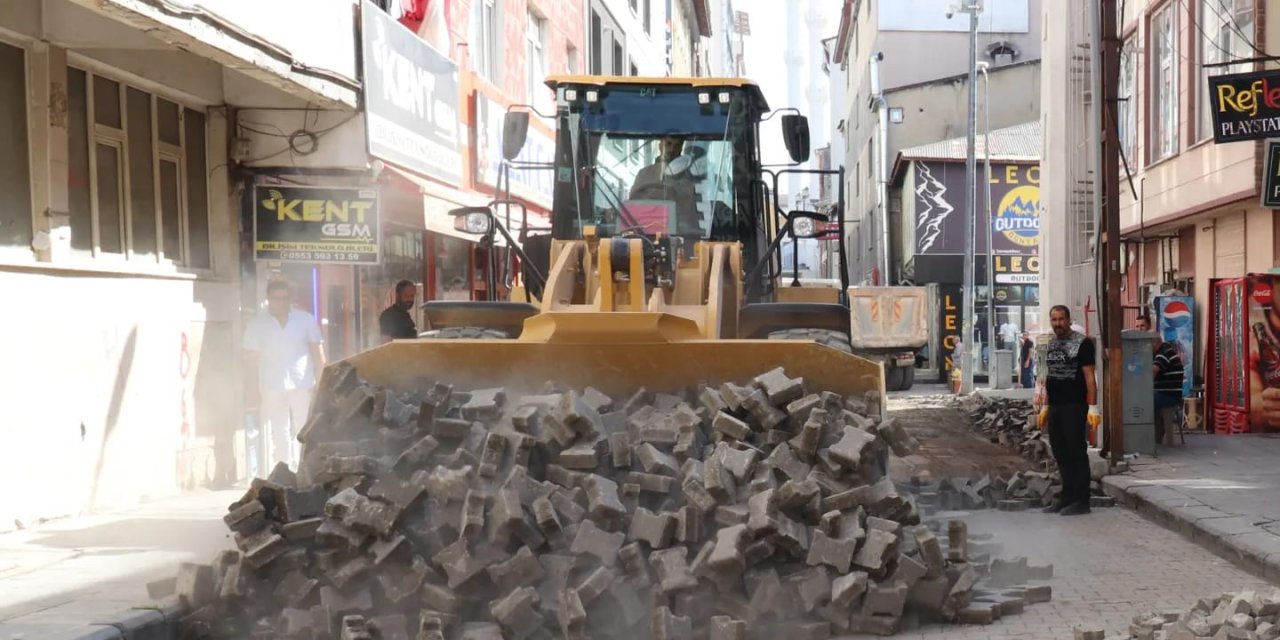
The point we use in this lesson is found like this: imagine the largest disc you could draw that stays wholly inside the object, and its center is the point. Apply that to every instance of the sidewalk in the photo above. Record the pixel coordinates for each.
(1221, 491)
(59, 579)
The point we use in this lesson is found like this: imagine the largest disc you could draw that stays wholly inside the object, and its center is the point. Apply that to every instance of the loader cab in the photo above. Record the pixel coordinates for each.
(657, 156)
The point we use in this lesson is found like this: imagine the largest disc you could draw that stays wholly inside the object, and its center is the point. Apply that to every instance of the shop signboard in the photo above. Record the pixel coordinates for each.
(1271, 176)
(1016, 269)
(411, 98)
(335, 225)
(1245, 106)
(949, 323)
(1012, 228)
(535, 185)
(1175, 322)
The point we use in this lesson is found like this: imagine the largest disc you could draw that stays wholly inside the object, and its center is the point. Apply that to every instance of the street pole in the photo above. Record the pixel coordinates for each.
(991, 283)
(1112, 393)
(971, 209)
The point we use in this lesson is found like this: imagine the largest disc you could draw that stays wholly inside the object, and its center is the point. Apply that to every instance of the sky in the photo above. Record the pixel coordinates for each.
(764, 52)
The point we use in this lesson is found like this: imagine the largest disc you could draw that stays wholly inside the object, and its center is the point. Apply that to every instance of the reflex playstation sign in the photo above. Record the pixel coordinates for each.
(1245, 106)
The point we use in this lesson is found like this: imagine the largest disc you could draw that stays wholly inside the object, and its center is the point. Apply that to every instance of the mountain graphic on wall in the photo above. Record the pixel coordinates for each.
(934, 209)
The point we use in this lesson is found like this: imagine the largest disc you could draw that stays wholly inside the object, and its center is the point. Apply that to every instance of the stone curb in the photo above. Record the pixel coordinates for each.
(158, 622)
(1233, 537)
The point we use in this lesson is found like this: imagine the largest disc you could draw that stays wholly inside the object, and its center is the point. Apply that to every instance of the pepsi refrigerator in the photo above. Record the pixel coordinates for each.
(1175, 322)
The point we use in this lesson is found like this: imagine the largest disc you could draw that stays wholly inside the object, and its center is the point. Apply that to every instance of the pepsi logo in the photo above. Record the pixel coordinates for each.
(1176, 314)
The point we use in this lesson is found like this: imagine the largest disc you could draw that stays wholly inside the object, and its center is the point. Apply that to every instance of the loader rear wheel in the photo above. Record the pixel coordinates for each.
(464, 333)
(834, 339)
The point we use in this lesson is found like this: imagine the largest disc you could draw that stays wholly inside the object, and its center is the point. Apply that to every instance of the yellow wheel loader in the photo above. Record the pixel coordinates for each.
(662, 268)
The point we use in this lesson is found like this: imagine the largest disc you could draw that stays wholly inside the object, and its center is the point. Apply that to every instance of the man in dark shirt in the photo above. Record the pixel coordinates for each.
(1168, 372)
(1070, 388)
(395, 321)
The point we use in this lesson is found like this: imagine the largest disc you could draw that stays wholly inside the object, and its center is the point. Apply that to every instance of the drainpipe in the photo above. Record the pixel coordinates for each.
(882, 160)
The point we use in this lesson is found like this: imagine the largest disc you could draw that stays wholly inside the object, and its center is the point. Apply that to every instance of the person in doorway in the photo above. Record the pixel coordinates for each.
(284, 347)
(1167, 372)
(1143, 323)
(1008, 334)
(1027, 361)
(1070, 389)
(395, 322)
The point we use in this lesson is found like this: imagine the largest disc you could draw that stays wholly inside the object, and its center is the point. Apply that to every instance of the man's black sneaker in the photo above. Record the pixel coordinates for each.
(1077, 509)
(1054, 508)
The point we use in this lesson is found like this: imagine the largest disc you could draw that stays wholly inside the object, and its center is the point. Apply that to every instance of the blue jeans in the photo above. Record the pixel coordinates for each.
(1028, 380)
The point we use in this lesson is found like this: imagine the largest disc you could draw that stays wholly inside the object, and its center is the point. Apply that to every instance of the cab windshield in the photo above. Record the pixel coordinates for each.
(654, 160)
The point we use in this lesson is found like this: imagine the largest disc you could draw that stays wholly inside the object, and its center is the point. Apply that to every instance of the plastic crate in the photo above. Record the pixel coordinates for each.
(1229, 422)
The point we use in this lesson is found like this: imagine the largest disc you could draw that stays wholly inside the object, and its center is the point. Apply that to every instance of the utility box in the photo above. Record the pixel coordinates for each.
(1139, 391)
(1001, 368)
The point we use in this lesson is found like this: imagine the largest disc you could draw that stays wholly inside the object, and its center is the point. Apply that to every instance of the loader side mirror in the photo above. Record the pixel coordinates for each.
(795, 133)
(475, 220)
(515, 130)
(804, 224)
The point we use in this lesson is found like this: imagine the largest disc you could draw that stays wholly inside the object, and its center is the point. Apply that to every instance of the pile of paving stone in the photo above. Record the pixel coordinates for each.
(728, 512)
(1012, 424)
(1251, 615)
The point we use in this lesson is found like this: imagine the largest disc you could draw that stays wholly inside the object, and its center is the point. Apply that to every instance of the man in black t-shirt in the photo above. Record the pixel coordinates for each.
(395, 322)
(1070, 388)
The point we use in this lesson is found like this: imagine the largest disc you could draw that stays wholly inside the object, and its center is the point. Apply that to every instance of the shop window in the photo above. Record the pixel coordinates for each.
(1163, 72)
(15, 169)
(137, 175)
(452, 269)
(1225, 34)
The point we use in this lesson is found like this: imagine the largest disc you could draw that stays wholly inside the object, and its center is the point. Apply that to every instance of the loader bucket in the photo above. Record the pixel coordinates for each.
(618, 369)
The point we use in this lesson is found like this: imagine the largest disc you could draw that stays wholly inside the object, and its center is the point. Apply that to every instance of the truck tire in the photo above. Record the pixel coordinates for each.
(908, 378)
(894, 378)
(464, 333)
(834, 339)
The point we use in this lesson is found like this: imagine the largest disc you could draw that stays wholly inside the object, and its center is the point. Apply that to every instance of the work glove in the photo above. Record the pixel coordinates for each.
(1095, 417)
(1043, 418)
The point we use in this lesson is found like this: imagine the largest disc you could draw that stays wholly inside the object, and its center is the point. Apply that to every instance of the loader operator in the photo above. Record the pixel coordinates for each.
(670, 178)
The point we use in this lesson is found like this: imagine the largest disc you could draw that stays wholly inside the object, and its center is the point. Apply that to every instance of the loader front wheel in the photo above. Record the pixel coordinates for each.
(834, 339)
(464, 333)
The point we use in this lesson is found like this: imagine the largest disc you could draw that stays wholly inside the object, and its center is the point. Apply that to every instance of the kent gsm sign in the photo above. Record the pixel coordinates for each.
(1271, 176)
(337, 225)
(1245, 106)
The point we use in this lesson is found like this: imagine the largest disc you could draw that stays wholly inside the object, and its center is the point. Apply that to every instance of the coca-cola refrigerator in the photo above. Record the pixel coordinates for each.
(1262, 380)
(1226, 392)
(1243, 385)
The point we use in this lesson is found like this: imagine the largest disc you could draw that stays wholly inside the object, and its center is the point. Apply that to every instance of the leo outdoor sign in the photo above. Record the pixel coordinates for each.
(316, 224)
(1245, 106)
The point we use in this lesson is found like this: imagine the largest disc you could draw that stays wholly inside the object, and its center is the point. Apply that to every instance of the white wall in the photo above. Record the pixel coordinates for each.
(1000, 16)
(647, 51)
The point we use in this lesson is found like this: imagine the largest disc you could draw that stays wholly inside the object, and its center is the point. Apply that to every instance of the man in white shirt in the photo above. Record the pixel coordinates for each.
(284, 348)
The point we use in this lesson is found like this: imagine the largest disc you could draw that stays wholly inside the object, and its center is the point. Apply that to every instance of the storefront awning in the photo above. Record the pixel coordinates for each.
(439, 199)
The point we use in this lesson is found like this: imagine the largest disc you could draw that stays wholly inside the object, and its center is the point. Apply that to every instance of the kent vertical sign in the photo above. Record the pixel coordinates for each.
(411, 98)
(1271, 176)
(1245, 106)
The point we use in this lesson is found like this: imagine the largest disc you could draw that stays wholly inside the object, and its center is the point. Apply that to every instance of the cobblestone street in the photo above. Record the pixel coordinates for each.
(1108, 567)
